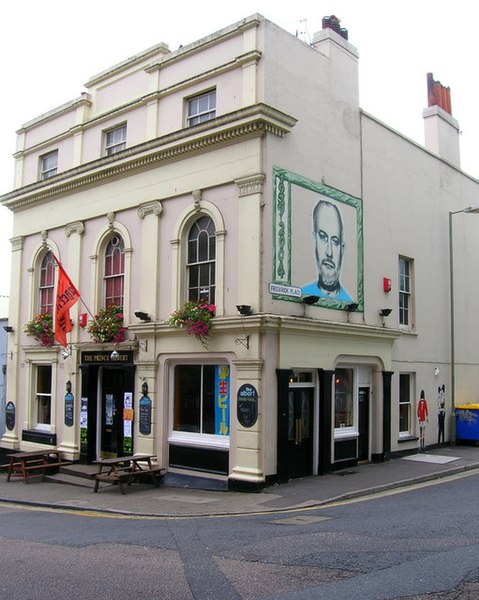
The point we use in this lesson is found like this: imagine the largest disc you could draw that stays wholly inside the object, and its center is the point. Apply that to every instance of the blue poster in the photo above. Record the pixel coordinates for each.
(222, 400)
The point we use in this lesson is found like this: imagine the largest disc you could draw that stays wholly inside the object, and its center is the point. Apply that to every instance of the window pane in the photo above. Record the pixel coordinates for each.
(187, 398)
(344, 406)
(200, 267)
(44, 394)
(404, 403)
(47, 282)
(208, 399)
(203, 240)
(114, 265)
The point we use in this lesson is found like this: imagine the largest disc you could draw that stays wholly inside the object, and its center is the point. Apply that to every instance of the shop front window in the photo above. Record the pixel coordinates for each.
(201, 399)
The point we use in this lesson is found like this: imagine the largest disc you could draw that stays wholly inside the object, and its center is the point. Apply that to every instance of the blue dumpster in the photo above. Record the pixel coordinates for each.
(467, 422)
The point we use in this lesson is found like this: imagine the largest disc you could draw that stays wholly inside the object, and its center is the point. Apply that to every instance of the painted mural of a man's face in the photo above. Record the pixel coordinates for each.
(328, 245)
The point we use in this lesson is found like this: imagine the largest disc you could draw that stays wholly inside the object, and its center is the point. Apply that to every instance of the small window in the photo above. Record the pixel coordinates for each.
(47, 284)
(48, 165)
(201, 108)
(43, 396)
(114, 271)
(405, 396)
(405, 292)
(115, 140)
(201, 261)
(344, 399)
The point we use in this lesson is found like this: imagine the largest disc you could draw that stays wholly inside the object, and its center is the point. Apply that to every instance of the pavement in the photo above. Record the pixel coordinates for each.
(185, 498)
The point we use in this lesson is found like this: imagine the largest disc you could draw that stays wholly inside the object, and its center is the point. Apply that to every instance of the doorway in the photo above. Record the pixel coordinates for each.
(363, 419)
(110, 397)
(299, 445)
(108, 387)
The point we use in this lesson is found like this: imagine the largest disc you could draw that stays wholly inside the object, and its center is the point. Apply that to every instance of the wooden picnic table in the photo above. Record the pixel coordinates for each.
(126, 468)
(28, 464)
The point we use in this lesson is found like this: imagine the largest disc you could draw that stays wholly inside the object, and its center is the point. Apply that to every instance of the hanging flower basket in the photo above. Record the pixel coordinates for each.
(41, 328)
(107, 326)
(195, 318)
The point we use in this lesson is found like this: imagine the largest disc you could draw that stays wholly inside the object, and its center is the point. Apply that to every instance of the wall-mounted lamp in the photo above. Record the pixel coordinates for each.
(142, 315)
(114, 355)
(309, 299)
(244, 309)
(352, 307)
(8, 328)
(66, 354)
(437, 370)
(385, 312)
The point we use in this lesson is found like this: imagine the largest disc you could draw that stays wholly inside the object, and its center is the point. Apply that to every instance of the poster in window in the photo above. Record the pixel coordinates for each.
(222, 400)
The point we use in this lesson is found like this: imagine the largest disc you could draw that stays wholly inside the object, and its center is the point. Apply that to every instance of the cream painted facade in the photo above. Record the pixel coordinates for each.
(327, 381)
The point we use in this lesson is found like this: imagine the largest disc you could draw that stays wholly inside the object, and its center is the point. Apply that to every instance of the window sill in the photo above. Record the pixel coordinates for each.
(200, 440)
(407, 438)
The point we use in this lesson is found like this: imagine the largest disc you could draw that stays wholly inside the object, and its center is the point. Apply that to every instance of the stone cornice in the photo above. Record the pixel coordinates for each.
(252, 121)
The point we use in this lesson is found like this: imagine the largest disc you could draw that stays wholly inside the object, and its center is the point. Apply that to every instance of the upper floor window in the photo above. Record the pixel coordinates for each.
(115, 140)
(201, 108)
(405, 291)
(48, 165)
(47, 284)
(114, 271)
(201, 260)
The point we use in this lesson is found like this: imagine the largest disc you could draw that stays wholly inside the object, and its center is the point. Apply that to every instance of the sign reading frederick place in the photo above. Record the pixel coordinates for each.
(247, 401)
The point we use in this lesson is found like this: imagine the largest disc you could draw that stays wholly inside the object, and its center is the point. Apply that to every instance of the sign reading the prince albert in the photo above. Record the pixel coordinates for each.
(317, 243)
(247, 400)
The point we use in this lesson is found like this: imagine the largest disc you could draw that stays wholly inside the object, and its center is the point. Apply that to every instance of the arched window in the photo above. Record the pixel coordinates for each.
(47, 284)
(201, 260)
(114, 272)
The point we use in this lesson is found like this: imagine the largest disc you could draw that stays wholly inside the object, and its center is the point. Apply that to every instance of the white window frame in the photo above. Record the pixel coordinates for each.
(48, 165)
(353, 430)
(405, 287)
(185, 438)
(36, 394)
(195, 115)
(112, 143)
(409, 403)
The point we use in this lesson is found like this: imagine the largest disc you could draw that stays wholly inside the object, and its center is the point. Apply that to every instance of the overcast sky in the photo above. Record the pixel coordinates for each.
(49, 49)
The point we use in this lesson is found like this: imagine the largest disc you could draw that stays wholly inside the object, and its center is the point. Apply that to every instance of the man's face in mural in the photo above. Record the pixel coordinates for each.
(329, 245)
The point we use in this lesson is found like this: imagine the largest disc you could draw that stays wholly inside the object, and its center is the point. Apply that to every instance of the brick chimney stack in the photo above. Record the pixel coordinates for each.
(440, 128)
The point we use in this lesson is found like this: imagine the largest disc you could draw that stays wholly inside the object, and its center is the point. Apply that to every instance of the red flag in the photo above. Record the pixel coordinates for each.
(67, 295)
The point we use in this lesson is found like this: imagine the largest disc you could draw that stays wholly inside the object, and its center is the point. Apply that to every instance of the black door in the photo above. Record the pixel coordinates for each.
(299, 453)
(111, 407)
(363, 442)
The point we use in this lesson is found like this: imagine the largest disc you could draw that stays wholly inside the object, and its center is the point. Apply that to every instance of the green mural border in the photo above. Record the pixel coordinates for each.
(283, 180)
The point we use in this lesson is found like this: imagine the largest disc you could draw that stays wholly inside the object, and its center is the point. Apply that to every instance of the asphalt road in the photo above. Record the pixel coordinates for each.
(416, 543)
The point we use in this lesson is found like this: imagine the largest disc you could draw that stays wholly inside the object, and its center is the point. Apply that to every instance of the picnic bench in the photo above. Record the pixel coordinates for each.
(125, 469)
(28, 464)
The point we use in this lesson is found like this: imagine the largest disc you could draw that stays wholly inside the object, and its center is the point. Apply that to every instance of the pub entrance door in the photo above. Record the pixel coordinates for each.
(300, 432)
(110, 398)
(107, 389)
